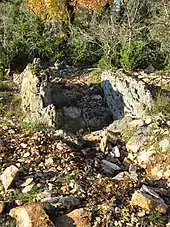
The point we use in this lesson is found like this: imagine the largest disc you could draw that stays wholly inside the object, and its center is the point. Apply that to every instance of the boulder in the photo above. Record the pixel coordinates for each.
(149, 149)
(109, 168)
(36, 98)
(138, 139)
(8, 176)
(2, 147)
(79, 218)
(126, 95)
(31, 215)
(149, 200)
(2, 206)
(158, 166)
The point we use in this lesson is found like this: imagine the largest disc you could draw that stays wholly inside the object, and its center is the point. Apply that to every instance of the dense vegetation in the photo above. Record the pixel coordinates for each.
(132, 35)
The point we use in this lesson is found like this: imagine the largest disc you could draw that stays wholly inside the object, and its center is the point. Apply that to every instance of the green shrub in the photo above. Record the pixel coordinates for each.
(131, 56)
(81, 49)
(95, 76)
(161, 105)
(134, 38)
(24, 36)
(33, 126)
(139, 55)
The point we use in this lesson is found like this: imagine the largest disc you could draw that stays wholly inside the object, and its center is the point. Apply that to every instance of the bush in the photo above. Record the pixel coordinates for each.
(133, 38)
(34, 126)
(161, 105)
(24, 36)
(81, 48)
(131, 56)
(139, 55)
(134, 35)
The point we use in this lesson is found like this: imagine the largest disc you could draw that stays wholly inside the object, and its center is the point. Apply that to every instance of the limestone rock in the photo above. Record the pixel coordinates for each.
(120, 125)
(2, 206)
(165, 144)
(67, 201)
(168, 225)
(138, 139)
(109, 167)
(37, 98)
(126, 94)
(143, 158)
(8, 176)
(31, 215)
(122, 176)
(72, 112)
(2, 147)
(17, 78)
(158, 166)
(27, 182)
(28, 188)
(79, 218)
(148, 200)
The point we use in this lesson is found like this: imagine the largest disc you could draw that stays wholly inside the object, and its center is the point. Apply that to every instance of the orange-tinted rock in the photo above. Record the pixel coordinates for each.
(31, 215)
(79, 218)
(148, 200)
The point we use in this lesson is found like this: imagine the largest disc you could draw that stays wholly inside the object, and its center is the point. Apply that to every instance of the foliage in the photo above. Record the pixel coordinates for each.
(51, 9)
(25, 197)
(33, 126)
(161, 105)
(95, 76)
(132, 36)
(131, 56)
(81, 49)
(154, 218)
(96, 5)
(59, 9)
(124, 37)
(24, 36)
(37, 7)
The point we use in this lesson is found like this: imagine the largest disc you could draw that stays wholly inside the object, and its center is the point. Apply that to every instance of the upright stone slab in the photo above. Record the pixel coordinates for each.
(126, 95)
(36, 98)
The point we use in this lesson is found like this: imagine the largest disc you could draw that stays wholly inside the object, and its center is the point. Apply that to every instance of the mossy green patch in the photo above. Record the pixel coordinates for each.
(95, 76)
(127, 133)
(32, 126)
(160, 105)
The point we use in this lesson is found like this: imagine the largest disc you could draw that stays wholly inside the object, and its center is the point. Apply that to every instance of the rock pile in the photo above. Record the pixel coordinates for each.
(36, 97)
(62, 102)
(116, 176)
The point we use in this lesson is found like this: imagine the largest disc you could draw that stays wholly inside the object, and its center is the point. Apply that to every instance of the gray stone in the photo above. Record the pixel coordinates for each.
(126, 95)
(67, 201)
(165, 144)
(8, 176)
(72, 112)
(149, 69)
(149, 200)
(138, 139)
(31, 215)
(109, 168)
(37, 98)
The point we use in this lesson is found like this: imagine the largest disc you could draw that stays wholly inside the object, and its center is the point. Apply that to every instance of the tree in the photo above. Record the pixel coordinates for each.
(96, 5)
(50, 9)
(60, 9)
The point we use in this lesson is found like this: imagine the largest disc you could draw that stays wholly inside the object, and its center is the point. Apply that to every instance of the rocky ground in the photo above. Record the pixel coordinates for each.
(96, 173)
